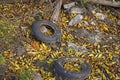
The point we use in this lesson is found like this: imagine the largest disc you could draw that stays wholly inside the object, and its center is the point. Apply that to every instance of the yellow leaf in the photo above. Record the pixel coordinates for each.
(105, 28)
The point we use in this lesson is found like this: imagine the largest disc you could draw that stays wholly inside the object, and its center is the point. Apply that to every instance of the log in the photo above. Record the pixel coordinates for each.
(56, 12)
(105, 2)
(15, 1)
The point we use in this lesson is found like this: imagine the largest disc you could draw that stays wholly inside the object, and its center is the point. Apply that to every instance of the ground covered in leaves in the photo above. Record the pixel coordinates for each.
(22, 56)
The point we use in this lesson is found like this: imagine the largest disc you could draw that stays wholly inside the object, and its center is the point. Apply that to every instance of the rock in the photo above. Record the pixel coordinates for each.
(70, 44)
(77, 10)
(3, 68)
(36, 76)
(76, 20)
(92, 23)
(43, 29)
(93, 11)
(116, 58)
(94, 38)
(118, 23)
(20, 51)
(100, 16)
(80, 32)
(80, 49)
(85, 23)
(69, 5)
(88, 35)
(11, 76)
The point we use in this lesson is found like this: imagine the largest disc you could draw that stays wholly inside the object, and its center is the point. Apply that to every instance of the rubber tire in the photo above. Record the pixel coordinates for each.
(69, 75)
(40, 36)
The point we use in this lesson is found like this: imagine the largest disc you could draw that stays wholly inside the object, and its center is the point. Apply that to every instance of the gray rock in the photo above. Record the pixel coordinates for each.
(118, 23)
(80, 49)
(44, 29)
(92, 23)
(94, 38)
(81, 33)
(36, 76)
(77, 10)
(3, 68)
(76, 20)
(100, 16)
(116, 58)
(69, 5)
(20, 51)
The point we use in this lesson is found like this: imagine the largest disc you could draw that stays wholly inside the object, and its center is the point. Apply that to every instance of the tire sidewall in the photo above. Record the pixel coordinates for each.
(41, 37)
(81, 75)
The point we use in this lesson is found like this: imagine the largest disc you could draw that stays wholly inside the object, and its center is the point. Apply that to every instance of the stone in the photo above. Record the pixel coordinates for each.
(77, 19)
(80, 49)
(118, 23)
(36, 76)
(77, 10)
(100, 16)
(69, 5)
(20, 51)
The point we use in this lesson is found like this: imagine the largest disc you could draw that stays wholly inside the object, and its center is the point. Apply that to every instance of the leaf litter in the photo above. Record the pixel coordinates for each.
(100, 41)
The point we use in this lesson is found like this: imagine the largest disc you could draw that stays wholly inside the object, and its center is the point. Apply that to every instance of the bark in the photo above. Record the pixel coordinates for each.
(105, 2)
(15, 1)
(56, 11)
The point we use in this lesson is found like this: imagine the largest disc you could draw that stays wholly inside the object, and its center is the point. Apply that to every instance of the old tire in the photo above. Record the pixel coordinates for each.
(40, 36)
(65, 74)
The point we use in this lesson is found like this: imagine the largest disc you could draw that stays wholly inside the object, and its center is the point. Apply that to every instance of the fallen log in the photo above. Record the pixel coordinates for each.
(14, 1)
(106, 2)
(56, 12)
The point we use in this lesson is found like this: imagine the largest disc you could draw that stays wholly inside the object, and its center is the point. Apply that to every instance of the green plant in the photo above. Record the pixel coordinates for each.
(24, 75)
(97, 6)
(38, 16)
(2, 59)
(81, 2)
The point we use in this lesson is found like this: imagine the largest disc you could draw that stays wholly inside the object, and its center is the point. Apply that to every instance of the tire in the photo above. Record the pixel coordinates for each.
(42, 37)
(70, 75)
